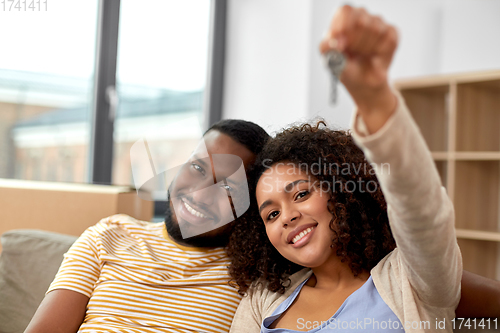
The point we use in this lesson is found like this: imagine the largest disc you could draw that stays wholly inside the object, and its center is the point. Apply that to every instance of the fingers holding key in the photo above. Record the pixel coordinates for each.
(358, 33)
(367, 41)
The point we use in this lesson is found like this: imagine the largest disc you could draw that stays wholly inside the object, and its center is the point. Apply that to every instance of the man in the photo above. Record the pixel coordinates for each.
(128, 275)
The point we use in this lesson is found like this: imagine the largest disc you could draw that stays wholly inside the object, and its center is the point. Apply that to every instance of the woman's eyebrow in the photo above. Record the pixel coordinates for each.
(287, 188)
(264, 205)
(290, 186)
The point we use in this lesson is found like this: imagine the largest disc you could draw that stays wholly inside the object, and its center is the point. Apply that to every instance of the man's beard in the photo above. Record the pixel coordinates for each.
(216, 238)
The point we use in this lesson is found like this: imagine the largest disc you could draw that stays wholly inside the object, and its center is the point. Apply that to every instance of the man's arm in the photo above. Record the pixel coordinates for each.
(480, 297)
(61, 311)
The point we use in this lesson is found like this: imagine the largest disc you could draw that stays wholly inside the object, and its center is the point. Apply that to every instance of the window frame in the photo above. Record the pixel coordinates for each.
(103, 110)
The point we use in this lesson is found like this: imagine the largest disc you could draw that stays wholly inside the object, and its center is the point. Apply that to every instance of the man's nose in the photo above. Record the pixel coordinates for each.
(205, 193)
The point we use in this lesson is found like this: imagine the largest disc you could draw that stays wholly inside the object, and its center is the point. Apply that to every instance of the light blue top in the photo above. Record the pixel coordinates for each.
(363, 311)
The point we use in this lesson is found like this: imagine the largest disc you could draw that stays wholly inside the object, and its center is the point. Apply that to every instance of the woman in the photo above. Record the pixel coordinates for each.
(323, 208)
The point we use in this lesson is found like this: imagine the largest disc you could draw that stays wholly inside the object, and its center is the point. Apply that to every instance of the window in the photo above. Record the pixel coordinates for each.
(46, 86)
(161, 75)
(51, 85)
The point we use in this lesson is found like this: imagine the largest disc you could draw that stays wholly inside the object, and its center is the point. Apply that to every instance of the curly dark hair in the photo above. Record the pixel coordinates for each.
(360, 222)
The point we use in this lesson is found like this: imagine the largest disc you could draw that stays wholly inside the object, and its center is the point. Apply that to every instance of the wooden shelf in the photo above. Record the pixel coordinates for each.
(480, 257)
(442, 167)
(440, 155)
(478, 235)
(459, 117)
(476, 156)
(466, 156)
(429, 108)
(446, 79)
(477, 195)
(478, 116)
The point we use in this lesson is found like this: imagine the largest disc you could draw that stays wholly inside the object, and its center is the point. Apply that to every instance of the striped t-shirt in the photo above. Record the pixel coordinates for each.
(139, 280)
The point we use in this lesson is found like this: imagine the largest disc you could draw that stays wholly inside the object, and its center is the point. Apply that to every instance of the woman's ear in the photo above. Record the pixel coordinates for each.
(331, 205)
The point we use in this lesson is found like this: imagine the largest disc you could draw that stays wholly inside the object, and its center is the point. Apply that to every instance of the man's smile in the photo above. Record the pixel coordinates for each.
(192, 213)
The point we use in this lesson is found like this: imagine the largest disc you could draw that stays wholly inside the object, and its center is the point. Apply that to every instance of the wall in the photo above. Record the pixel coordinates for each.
(417, 54)
(471, 30)
(274, 74)
(266, 76)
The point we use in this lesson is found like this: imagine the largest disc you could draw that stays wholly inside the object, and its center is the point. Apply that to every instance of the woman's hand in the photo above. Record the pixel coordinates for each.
(369, 45)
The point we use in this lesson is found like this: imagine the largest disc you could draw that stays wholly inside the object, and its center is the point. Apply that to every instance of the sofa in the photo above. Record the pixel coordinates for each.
(28, 263)
(30, 258)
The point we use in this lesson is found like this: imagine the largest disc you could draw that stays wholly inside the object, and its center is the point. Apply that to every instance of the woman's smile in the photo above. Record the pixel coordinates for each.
(301, 235)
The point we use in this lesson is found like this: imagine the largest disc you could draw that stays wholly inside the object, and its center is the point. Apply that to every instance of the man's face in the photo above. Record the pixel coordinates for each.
(205, 192)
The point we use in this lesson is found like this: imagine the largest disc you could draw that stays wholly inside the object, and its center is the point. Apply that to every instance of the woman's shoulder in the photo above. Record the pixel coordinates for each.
(259, 303)
(392, 279)
(390, 272)
(268, 300)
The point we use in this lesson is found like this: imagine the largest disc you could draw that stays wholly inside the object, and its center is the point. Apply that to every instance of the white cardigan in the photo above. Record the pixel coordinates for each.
(420, 279)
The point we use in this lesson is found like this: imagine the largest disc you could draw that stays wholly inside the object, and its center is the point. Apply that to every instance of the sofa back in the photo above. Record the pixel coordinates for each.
(28, 263)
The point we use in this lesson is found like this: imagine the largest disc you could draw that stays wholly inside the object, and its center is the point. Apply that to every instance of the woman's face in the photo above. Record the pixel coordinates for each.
(294, 211)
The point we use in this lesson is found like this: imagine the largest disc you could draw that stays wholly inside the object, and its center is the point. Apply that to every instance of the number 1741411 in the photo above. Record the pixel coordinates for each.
(475, 323)
(23, 5)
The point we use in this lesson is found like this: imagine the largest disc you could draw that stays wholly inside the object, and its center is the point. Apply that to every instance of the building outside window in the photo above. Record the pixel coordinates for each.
(47, 86)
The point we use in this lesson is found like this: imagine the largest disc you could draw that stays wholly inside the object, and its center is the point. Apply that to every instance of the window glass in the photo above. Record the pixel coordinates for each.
(162, 65)
(46, 86)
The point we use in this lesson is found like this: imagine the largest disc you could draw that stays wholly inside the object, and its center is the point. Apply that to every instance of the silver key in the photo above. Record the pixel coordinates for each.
(335, 61)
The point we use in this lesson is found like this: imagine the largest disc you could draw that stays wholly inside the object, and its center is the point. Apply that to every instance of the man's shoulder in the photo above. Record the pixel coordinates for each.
(120, 223)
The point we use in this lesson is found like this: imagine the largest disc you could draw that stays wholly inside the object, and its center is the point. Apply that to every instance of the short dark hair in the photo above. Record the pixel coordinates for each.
(245, 132)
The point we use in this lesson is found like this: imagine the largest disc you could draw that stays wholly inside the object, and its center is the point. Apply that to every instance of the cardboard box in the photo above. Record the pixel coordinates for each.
(64, 207)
